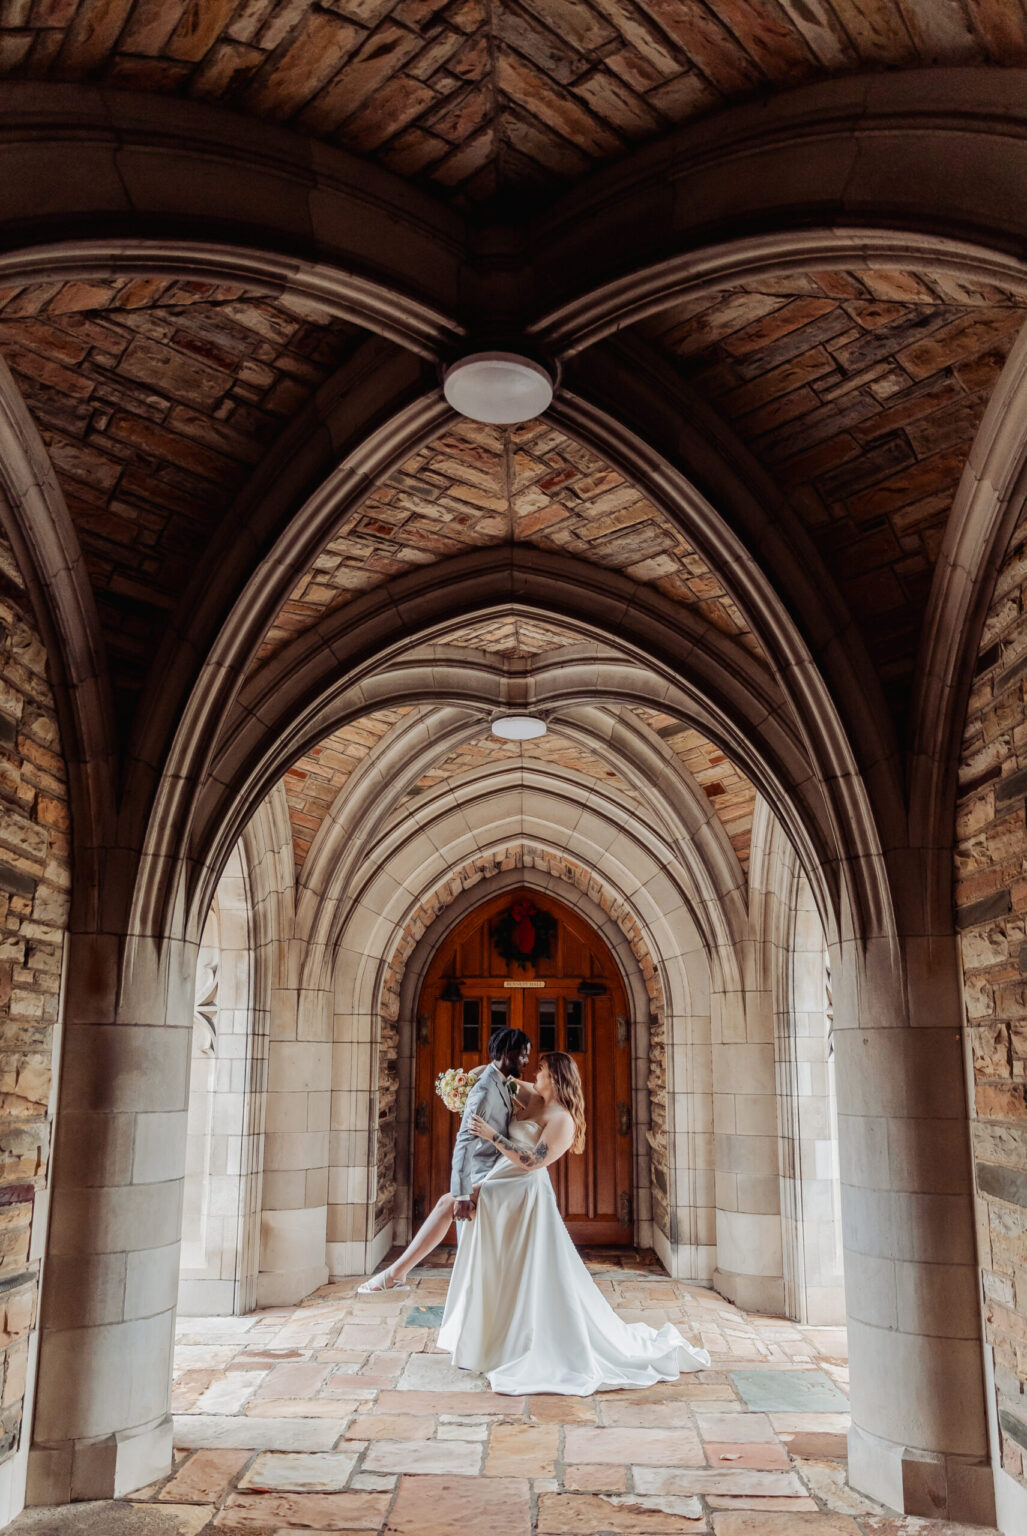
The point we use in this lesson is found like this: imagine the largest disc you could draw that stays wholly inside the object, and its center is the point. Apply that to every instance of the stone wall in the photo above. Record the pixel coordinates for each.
(991, 902)
(657, 1133)
(34, 897)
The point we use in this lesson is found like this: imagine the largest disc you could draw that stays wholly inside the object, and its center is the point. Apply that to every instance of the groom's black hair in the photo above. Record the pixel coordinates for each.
(507, 1042)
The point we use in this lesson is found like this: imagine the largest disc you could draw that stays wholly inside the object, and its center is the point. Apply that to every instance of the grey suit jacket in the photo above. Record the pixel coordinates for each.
(472, 1157)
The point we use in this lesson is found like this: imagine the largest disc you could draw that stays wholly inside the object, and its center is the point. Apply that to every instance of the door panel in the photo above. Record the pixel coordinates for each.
(593, 1190)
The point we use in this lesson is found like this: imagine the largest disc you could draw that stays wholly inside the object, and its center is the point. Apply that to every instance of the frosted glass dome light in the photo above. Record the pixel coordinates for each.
(518, 727)
(499, 387)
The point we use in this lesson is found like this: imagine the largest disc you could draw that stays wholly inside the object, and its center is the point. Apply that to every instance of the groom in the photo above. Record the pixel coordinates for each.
(472, 1157)
(491, 1099)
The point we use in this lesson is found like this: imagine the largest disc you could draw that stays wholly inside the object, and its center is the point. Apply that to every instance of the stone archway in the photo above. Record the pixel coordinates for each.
(612, 918)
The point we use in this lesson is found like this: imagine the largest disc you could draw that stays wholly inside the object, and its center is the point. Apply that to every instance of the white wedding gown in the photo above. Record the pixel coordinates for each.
(523, 1309)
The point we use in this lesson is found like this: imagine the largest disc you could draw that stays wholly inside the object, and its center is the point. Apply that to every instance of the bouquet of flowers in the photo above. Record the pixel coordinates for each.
(453, 1086)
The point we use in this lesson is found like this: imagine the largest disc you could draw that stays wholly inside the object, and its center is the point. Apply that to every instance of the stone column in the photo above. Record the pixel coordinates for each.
(807, 1120)
(295, 1185)
(102, 1423)
(352, 1245)
(749, 1268)
(919, 1440)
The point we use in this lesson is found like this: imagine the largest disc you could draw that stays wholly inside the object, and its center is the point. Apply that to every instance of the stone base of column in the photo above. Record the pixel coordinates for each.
(917, 1482)
(753, 1293)
(293, 1257)
(280, 1288)
(107, 1468)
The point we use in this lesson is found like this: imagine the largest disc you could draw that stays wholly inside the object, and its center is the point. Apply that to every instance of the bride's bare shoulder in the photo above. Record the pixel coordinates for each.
(557, 1116)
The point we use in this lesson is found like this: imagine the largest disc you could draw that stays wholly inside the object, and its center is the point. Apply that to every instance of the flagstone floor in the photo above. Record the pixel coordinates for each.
(341, 1416)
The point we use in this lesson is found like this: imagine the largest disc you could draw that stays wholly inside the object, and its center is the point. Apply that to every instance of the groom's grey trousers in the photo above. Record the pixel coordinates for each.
(473, 1157)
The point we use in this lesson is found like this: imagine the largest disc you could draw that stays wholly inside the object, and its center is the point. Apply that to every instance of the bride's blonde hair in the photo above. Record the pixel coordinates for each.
(567, 1082)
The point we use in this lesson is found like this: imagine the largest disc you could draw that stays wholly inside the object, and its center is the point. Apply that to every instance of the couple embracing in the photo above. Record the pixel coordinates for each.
(522, 1308)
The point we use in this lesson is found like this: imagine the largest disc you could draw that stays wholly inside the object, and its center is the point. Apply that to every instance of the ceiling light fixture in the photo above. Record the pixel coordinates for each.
(518, 727)
(499, 387)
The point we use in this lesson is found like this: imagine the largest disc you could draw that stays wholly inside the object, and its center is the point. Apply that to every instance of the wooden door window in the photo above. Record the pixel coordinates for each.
(574, 1026)
(472, 1026)
(547, 1025)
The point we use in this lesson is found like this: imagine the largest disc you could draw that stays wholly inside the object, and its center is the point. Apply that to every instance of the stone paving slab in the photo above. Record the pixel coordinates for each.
(788, 1391)
(304, 1472)
(427, 1317)
(346, 1418)
(257, 1434)
(109, 1518)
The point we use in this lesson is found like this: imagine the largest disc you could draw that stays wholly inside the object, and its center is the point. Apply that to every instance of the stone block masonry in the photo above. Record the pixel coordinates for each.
(35, 876)
(991, 900)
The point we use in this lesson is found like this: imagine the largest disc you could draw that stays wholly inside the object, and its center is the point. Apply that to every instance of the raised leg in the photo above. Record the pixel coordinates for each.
(428, 1236)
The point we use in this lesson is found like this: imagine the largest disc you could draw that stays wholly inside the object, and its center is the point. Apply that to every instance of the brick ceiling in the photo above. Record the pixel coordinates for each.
(731, 795)
(478, 486)
(551, 748)
(314, 781)
(155, 399)
(861, 392)
(474, 97)
(511, 635)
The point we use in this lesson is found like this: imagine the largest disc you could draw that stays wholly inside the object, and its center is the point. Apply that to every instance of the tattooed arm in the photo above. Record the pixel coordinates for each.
(552, 1144)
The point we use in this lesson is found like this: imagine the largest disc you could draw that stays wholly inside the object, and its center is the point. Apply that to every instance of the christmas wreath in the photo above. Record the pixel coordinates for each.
(525, 934)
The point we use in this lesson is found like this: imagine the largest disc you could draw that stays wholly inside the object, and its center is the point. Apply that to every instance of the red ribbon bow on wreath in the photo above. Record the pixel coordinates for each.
(524, 929)
(525, 933)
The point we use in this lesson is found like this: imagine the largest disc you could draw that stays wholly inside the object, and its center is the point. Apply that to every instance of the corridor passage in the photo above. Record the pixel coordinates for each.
(341, 1416)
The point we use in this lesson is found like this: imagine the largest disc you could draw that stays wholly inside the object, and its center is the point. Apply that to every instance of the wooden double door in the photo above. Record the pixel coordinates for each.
(572, 1001)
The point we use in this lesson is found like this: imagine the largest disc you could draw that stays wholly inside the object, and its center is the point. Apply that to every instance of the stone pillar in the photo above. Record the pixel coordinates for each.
(295, 1185)
(919, 1440)
(807, 1120)
(224, 1147)
(682, 1109)
(352, 1247)
(102, 1422)
(749, 1270)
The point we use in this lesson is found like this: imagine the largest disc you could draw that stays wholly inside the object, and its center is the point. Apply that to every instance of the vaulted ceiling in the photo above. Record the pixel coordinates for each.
(316, 784)
(553, 748)
(210, 435)
(477, 487)
(155, 399)
(478, 98)
(861, 393)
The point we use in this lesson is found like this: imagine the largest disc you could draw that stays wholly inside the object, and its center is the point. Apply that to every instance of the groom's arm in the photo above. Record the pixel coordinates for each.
(461, 1183)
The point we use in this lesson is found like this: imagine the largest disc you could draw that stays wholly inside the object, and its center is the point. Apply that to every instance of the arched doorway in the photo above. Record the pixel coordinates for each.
(565, 992)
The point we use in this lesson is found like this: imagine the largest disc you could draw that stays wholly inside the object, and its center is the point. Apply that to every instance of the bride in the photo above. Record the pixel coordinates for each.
(522, 1307)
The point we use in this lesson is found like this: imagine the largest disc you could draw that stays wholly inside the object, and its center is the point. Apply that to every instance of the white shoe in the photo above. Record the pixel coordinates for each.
(380, 1282)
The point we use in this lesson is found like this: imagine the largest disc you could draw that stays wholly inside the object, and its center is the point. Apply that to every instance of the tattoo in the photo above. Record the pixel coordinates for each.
(528, 1157)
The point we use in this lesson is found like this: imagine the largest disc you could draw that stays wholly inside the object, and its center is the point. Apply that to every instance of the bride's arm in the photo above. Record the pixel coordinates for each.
(552, 1144)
